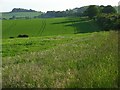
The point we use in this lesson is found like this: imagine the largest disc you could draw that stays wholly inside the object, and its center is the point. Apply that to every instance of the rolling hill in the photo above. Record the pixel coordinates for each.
(8, 15)
(20, 13)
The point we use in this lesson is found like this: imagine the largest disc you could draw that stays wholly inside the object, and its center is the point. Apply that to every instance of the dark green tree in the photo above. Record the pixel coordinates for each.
(119, 9)
(92, 11)
(101, 8)
(109, 9)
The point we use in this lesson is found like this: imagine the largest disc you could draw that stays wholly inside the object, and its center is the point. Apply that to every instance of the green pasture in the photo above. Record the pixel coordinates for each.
(46, 27)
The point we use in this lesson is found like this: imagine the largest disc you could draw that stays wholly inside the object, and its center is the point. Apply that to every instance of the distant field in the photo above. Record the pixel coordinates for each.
(86, 60)
(20, 14)
(50, 26)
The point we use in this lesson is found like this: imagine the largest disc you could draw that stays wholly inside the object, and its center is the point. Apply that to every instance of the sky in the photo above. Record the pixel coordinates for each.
(49, 5)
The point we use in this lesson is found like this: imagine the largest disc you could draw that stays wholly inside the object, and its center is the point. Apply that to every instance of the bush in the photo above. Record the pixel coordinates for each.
(11, 37)
(22, 36)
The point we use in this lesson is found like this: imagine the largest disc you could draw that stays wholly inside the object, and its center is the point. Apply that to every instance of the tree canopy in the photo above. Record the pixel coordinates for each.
(92, 11)
(109, 9)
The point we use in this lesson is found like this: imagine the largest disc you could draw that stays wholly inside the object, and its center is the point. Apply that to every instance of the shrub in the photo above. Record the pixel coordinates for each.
(11, 37)
(22, 36)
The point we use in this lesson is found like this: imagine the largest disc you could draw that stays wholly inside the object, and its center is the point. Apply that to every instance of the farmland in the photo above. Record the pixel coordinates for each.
(46, 27)
(8, 15)
(59, 53)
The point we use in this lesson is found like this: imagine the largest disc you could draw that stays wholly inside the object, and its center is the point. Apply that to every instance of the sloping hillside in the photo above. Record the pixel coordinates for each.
(63, 61)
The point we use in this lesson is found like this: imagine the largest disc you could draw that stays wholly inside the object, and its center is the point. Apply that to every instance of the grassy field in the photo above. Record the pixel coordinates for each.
(81, 60)
(54, 57)
(46, 27)
(20, 14)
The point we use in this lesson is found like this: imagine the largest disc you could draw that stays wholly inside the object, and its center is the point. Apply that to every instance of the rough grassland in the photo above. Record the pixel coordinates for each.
(81, 60)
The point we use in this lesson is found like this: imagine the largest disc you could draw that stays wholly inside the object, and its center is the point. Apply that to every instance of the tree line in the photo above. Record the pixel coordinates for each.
(22, 10)
(76, 12)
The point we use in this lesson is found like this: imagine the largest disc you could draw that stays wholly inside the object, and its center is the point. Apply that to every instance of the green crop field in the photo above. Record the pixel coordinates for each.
(20, 14)
(54, 56)
(44, 27)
